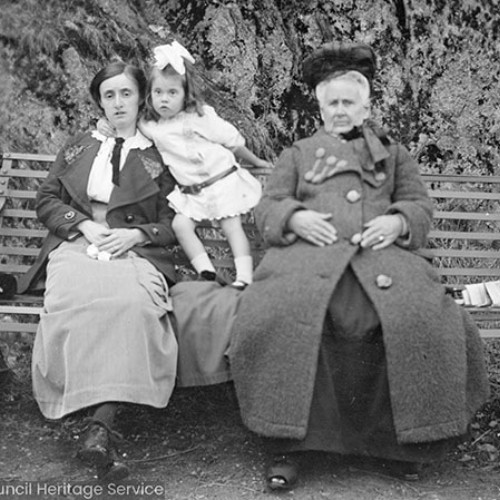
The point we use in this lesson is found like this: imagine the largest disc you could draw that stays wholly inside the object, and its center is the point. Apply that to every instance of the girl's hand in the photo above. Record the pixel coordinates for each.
(94, 232)
(105, 128)
(264, 164)
(121, 240)
(313, 227)
(382, 231)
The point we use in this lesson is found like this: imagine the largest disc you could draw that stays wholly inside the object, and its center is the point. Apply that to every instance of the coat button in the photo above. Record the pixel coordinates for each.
(356, 239)
(320, 152)
(69, 215)
(129, 218)
(380, 176)
(155, 230)
(353, 196)
(384, 281)
(331, 161)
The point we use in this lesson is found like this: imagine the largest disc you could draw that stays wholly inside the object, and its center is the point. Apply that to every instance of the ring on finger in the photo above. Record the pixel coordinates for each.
(381, 238)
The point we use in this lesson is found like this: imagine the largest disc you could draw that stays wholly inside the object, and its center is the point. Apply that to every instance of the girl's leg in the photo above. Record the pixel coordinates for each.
(184, 229)
(240, 247)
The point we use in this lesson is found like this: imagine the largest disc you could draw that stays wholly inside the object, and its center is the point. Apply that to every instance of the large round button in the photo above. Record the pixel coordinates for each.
(380, 176)
(353, 196)
(129, 218)
(383, 281)
(320, 152)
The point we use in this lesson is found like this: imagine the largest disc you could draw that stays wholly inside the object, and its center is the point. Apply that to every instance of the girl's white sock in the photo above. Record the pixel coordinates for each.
(244, 268)
(202, 262)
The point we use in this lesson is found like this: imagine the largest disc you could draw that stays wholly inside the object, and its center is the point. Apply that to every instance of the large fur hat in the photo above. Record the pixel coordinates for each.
(333, 57)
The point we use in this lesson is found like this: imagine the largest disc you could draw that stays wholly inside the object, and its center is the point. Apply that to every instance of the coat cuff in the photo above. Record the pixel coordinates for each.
(275, 227)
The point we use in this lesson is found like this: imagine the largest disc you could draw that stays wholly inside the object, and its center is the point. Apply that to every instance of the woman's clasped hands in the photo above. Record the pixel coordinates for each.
(114, 242)
(315, 228)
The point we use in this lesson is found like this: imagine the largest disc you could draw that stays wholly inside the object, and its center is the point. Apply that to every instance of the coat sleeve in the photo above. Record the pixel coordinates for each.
(53, 202)
(410, 198)
(160, 232)
(279, 201)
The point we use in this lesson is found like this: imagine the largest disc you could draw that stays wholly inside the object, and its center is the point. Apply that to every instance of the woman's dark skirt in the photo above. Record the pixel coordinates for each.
(351, 407)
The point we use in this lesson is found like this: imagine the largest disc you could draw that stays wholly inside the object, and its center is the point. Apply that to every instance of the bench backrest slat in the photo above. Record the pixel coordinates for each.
(462, 235)
(491, 272)
(464, 195)
(467, 216)
(10, 250)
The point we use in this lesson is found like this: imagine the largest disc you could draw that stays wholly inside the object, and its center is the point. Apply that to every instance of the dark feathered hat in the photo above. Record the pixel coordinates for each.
(334, 56)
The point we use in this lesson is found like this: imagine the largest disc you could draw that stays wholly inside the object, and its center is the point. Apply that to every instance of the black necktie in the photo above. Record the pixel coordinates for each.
(115, 160)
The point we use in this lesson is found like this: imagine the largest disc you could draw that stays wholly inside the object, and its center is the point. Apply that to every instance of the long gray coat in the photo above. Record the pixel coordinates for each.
(434, 353)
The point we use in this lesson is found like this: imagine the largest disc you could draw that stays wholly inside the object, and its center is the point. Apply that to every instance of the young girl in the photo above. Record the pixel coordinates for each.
(199, 147)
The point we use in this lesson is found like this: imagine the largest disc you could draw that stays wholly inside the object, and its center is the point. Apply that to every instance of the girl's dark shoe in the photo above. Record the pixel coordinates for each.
(282, 473)
(207, 276)
(212, 276)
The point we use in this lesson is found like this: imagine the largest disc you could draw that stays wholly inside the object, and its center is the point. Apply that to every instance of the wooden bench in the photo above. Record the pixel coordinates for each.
(21, 236)
(464, 240)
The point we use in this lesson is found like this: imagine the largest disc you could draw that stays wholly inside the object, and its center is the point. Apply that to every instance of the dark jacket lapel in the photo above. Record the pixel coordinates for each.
(135, 182)
(75, 177)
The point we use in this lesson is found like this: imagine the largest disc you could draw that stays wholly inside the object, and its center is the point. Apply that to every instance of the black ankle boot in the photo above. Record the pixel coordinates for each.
(114, 470)
(95, 447)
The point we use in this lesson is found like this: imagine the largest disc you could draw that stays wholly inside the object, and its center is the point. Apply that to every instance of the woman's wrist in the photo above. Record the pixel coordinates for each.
(140, 237)
(404, 224)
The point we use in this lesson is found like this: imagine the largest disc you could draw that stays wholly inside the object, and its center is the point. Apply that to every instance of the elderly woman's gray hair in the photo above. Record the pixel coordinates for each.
(352, 76)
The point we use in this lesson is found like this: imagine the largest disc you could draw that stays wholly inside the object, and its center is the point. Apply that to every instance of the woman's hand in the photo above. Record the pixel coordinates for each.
(105, 128)
(313, 227)
(382, 231)
(120, 240)
(94, 232)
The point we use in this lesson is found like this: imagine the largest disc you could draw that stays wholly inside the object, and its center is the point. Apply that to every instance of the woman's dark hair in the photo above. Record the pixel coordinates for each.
(114, 69)
(193, 100)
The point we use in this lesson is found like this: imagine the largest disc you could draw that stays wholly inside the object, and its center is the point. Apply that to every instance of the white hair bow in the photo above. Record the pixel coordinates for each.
(173, 54)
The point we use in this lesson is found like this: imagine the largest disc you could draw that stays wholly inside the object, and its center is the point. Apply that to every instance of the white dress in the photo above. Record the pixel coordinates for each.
(197, 148)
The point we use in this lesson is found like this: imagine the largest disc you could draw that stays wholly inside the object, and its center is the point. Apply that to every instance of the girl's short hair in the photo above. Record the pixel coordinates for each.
(352, 76)
(193, 100)
(114, 69)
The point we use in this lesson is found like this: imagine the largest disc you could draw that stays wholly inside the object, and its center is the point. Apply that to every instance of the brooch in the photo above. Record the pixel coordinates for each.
(73, 151)
(153, 167)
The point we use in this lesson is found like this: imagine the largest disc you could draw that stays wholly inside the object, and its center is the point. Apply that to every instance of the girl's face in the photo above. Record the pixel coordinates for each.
(120, 99)
(167, 95)
(341, 106)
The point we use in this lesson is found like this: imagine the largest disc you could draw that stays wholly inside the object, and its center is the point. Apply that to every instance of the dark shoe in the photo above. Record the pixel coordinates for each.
(212, 276)
(114, 470)
(282, 473)
(94, 450)
(238, 285)
(208, 276)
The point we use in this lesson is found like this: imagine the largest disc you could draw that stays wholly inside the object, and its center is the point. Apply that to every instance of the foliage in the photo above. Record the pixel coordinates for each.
(436, 89)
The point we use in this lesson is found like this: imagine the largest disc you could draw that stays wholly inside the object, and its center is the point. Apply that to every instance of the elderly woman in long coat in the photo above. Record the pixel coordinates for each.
(346, 341)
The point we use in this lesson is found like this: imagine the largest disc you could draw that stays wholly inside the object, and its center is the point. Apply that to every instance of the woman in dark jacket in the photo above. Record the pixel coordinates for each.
(346, 342)
(104, 335)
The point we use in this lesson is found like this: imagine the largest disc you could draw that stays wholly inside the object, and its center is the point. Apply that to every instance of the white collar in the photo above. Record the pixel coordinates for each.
(138, 141)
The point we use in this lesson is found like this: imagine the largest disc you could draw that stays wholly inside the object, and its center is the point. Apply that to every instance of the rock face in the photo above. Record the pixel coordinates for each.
(434, 88)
